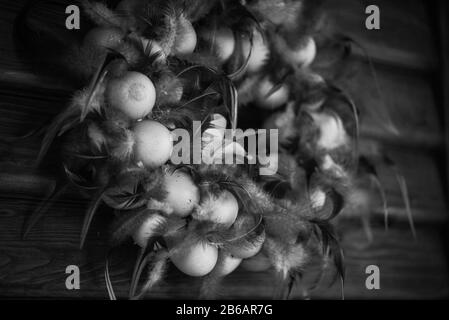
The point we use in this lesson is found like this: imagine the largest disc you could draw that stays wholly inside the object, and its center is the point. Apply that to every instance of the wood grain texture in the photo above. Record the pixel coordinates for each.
(36, 267)
(443, 28)
(404, 62)
(405, 38)
(395, 106)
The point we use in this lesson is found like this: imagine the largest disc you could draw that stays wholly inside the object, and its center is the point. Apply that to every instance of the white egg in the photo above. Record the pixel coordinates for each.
(197, 260)
(316, 79)
(182, 194)
(222, 209)
(226, 264)
(260, 52)
(301, 56)
(313, 106)
(249, 251)
(186, 39)
(332, 131)
(154, 143)
(267, 99)
(221, 41)
(305, 55)
(317, 198)
(133, 94)
(258, 263)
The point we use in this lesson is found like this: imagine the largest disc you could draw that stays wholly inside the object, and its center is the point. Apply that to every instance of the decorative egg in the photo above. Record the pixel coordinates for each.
(224, 209)
(186, 39)
(260, 52)
(314, 106)
(317, 198)
(133, 94)
(305, 55)
(332, 131)
(267, 99)
(250, 250)
(226, 263)
(302, 55)
(258, 263)
(154, 143)
(182, 193)
(104, 37)
(221, 40)
(197, 260)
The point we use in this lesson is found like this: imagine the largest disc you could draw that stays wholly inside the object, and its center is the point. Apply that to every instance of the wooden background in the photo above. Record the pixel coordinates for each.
(405, 58)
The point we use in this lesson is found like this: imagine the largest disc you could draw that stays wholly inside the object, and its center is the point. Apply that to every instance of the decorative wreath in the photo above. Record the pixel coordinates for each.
(155, 66)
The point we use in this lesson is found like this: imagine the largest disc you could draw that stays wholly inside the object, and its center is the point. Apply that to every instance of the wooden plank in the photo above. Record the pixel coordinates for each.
(424, 182)
(15, 67)
(409, 269)
(36, 266)
(397, 107)
(443, 27)
(392, 44)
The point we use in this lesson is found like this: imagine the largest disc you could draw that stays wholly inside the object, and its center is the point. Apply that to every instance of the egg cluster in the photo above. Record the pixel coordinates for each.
(155, 66)
(127, 97)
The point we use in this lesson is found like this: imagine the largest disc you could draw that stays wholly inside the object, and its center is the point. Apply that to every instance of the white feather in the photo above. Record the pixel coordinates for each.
(285, 258)
(332, 131)
(149, 228)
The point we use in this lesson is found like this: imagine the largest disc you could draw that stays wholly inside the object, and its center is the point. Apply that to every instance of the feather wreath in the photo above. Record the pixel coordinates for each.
(149, 67)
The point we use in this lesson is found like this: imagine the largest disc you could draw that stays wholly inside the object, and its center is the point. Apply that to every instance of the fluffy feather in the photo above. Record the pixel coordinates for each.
(128, 223)
(286, 258)
(157, 265)
(101, 15)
